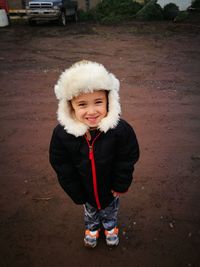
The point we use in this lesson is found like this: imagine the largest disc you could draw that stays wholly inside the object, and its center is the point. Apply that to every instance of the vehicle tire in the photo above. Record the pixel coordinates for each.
(32, 22)
(62, 19)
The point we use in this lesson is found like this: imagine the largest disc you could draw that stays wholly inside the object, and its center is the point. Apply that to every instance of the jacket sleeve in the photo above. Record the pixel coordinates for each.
(127, 154)
(64, 168)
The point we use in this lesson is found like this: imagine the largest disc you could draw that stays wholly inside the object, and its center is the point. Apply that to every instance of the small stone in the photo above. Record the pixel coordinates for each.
(171, 225)
(195, 157)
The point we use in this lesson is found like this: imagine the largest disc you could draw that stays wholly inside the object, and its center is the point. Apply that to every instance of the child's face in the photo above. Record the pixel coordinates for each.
(90, 108)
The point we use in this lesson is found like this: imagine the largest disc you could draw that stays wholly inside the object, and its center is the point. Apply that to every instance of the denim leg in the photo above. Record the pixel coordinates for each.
(109, 215)
(92, 218)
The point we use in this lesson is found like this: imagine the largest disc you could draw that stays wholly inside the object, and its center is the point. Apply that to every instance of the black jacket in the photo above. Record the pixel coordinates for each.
(115, 153)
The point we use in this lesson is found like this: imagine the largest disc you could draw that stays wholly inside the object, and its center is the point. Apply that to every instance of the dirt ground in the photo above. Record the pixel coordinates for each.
(158, 65)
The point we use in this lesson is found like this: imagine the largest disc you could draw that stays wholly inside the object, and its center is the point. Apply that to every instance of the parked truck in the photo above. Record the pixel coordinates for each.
(57, 10)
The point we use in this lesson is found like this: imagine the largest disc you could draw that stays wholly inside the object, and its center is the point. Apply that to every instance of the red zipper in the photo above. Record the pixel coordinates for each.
(94, 175)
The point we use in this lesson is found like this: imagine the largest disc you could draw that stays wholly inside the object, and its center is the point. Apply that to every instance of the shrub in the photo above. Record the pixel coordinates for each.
(170, 11)
(115, 10)
(182, 15)
(151, 11)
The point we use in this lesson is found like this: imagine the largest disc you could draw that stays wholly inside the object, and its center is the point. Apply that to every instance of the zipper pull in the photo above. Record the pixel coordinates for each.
(90, 152)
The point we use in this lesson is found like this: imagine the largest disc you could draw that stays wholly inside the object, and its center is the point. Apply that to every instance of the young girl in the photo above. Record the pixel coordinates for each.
(92, 150)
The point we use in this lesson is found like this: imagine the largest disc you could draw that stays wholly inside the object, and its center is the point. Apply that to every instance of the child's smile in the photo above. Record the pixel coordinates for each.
(90, 108)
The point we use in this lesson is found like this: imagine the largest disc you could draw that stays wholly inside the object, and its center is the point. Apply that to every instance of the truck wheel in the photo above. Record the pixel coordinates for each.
(62, 19)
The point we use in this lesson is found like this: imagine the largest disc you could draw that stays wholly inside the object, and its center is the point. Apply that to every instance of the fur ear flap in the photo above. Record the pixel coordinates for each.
(113, 115)
(67, 119)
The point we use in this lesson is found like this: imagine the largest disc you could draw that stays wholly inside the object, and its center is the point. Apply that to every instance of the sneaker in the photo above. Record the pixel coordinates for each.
(112, 238)
(91, 238)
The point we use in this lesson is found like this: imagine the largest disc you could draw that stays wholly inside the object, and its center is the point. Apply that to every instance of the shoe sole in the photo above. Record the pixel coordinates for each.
(112, 244)
(87, 245)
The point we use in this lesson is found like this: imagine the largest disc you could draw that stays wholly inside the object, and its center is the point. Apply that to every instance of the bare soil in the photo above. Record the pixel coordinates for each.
(158, 65)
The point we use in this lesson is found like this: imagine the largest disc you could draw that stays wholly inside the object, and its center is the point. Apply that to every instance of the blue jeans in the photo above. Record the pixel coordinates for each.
(107, 217)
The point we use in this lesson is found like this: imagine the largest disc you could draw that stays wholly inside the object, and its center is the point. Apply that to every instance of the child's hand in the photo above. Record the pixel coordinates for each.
(115, 194)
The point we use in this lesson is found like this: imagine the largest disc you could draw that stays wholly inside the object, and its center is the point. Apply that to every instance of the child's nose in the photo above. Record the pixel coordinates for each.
(91, 110)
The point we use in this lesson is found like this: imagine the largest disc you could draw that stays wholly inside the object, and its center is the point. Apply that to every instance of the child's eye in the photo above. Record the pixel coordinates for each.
(81, 104)
(99, 102)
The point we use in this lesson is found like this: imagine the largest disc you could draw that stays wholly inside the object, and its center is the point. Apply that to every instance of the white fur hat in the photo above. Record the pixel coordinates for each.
(85, 77)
